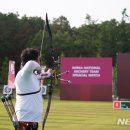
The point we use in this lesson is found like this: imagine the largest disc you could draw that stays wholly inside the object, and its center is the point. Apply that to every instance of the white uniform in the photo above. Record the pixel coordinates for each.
(28, 108)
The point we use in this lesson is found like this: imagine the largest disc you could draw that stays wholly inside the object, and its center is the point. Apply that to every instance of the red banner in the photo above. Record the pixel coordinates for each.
(91, 79)
(87, 70)
(11, 74)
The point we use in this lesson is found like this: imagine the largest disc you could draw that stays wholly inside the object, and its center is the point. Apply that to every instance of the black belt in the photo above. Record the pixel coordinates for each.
(24, 94)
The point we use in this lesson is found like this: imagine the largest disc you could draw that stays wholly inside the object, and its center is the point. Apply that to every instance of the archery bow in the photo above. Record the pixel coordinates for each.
(50, 86)
(54, 63)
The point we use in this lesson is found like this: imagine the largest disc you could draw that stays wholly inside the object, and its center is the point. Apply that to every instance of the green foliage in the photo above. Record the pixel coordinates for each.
(108, 38)
(4, 71)
(92, 39)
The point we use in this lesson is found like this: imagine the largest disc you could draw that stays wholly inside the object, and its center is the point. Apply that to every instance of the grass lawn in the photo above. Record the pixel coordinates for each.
(75, 115)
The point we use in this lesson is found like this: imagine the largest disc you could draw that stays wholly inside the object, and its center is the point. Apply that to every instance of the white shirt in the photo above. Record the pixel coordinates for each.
(28, 108)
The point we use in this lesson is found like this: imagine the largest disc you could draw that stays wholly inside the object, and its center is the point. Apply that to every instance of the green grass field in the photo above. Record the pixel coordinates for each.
(75, 115)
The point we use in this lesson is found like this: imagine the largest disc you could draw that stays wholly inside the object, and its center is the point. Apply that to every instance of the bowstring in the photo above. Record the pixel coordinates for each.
(43, 34)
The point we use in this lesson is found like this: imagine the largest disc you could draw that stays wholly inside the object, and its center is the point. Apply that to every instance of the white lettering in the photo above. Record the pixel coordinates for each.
(123, 121)
(93, 75)
(77, 67)
(79, 75)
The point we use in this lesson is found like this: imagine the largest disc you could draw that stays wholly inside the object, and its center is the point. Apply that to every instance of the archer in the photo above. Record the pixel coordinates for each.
(29, 106)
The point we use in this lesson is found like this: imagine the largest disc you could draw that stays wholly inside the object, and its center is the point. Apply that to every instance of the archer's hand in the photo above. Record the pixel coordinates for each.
(45, 73)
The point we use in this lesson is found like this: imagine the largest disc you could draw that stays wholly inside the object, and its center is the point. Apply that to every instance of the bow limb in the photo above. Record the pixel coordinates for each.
(50, 86)
(47, 109)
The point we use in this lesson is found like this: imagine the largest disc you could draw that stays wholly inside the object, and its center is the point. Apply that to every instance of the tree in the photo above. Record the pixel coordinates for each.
(108, 38)
(61, 24)
(124, 15)
(4, 71)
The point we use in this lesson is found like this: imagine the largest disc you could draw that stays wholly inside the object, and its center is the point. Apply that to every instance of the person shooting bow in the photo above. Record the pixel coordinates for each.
(29, 104)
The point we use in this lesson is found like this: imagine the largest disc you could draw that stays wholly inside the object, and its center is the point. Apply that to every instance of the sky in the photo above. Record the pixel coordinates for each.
(74, 10)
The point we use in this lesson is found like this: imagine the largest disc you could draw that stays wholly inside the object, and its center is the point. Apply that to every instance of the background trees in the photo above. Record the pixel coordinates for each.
(91, 39)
